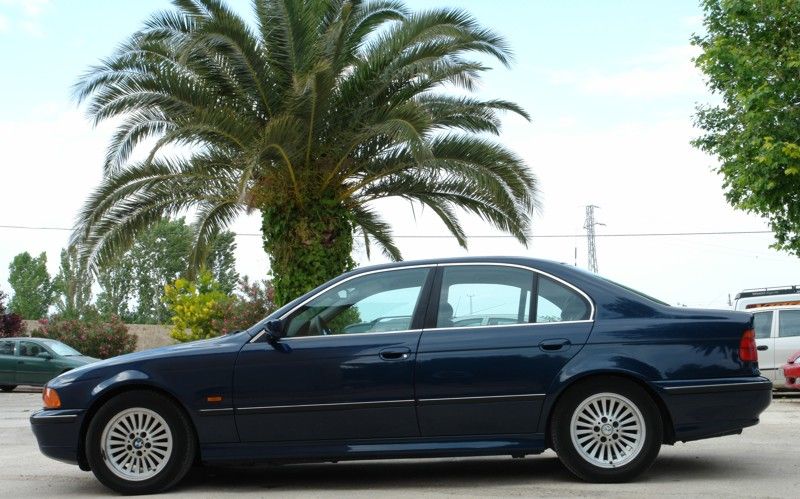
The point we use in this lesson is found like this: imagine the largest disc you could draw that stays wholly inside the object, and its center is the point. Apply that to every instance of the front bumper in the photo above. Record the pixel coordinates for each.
(57, 432)
(792, 374)
(715, 407)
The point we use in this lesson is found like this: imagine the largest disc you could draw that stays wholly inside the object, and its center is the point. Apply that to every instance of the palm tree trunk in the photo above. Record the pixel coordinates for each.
(306, 246)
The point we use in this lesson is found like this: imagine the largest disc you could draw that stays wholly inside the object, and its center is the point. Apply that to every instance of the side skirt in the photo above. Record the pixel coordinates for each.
(287, 452)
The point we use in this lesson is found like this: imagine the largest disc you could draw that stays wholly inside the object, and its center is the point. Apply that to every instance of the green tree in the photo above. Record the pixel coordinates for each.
(133, 282)
(33, 290)
(751, 57)
(72, 286)
(308, 113)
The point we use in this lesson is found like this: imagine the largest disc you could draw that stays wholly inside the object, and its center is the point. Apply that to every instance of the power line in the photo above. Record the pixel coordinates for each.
(491, 236)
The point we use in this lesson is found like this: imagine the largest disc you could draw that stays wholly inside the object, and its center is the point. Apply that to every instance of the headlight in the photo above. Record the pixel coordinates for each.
(797, 360)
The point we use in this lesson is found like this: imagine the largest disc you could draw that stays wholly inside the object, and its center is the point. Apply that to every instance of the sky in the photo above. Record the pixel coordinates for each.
(611, 89)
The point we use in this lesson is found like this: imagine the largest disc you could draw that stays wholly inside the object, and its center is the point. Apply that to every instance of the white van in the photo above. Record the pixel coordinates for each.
(776, 314)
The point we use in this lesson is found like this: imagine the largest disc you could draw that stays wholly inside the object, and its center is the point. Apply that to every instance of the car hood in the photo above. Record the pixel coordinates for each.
(100, 368)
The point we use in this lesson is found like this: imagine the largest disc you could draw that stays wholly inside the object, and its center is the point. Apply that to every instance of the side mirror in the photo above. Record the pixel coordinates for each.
(44, 355)
(274, 331)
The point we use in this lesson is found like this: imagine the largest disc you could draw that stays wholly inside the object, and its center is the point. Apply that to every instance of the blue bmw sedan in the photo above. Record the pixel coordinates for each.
(461, 357)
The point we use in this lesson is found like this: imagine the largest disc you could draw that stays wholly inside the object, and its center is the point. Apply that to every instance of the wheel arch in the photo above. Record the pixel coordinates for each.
(113, 391)
(666, 417)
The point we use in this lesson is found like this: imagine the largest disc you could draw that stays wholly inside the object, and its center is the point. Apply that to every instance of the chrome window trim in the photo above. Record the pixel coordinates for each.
(537, 271)
(351, 335)
(435, 265)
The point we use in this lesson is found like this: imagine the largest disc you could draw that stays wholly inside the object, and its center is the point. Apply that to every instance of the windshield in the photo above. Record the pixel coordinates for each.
(61, 349)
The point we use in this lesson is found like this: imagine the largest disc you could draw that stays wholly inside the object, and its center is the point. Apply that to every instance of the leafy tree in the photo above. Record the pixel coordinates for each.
(309, 113)
(751, 56)
(10, 324)
(72, 286)
(133, 283)
(196, 306)
(33, 290)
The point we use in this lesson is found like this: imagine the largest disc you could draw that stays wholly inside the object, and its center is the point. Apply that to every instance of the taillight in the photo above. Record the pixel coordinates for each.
(51, 399)
(747, 347)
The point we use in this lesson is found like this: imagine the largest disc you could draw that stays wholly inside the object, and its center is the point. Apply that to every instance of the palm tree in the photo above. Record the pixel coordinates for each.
(310, 114)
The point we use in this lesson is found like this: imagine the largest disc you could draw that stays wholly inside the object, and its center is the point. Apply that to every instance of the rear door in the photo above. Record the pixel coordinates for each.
(765, 341)
(787, 341)
(492, 379)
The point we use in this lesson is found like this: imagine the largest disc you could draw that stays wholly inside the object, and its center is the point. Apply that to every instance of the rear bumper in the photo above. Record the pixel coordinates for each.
(715, 407)
(792, 374)
(57, 433)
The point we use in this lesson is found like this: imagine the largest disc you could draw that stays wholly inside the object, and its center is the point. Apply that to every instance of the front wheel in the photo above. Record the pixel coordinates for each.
(607, 430)
(140, 442)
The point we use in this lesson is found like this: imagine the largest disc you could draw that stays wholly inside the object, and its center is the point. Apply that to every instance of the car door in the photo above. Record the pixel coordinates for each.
(787, 341)
(32, 369)
(492, 378)
(344, 369)
(8, 363)
(765, 341)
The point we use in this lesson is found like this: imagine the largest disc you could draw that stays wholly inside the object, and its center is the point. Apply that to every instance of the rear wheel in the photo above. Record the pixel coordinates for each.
(7, 388)
(607, 430)
(140, 442)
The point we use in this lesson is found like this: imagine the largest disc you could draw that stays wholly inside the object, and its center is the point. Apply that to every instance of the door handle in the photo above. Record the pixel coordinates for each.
(395, 354)
(553, 345)
(762, 347)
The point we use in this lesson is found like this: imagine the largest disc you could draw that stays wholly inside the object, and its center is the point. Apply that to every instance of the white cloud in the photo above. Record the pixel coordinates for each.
(666, 73)
(23, 15)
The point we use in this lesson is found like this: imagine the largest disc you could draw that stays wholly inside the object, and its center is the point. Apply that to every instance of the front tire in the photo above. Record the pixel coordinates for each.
(140, 442)
(606, 430)
(7, 388)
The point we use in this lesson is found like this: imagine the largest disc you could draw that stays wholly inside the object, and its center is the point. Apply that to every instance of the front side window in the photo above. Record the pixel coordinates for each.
(789, 323)
(30, 349)
(558, 303)
(375, 303)
(762, 323)
(484, 295)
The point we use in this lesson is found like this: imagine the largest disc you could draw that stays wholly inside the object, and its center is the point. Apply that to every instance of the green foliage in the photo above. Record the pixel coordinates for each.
(159, 256)
(309, 112)
(73, 287)
(195, 306)
(99, 339)
(33, 290)
(251, 304)
(10, 324)
(751, 56)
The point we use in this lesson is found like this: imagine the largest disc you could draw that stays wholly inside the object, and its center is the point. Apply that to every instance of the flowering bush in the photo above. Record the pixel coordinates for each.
(93, 338)
(254, 302)
(195, 306)
(10, 324)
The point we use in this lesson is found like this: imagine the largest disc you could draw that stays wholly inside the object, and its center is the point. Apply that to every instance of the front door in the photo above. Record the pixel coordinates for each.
(496, 341)
(32, 369)
(344, 370)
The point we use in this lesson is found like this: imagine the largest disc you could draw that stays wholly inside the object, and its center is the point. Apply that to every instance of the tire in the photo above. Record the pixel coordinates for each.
(7, 388)
(150, 441)
(606, 430)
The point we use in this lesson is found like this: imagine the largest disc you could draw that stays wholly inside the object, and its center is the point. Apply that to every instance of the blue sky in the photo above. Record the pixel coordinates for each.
(610, 86)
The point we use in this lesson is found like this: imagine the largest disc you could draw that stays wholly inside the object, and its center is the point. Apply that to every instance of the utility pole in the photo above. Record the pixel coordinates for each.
(589, 224)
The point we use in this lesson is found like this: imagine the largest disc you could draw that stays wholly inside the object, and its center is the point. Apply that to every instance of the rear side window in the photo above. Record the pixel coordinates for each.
(6, 347)
(789, 323)
(478, 295)
(762, 323)
(558, 303)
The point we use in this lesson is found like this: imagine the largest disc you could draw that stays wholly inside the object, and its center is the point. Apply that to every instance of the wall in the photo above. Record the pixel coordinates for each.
(147, 335)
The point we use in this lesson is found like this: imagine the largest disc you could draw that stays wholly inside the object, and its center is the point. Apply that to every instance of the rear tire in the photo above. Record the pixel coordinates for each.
(7, 388)
(606, 430)
(140, 442)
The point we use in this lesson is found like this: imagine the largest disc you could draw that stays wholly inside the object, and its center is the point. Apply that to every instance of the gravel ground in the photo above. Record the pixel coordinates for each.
(762, 462)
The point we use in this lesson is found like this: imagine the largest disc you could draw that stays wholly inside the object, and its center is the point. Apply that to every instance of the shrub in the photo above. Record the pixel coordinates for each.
(100, 339)
(254, 302)
(10, 324)
(195, 307)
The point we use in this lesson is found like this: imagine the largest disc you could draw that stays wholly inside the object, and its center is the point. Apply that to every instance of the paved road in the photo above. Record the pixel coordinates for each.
(762, 462)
